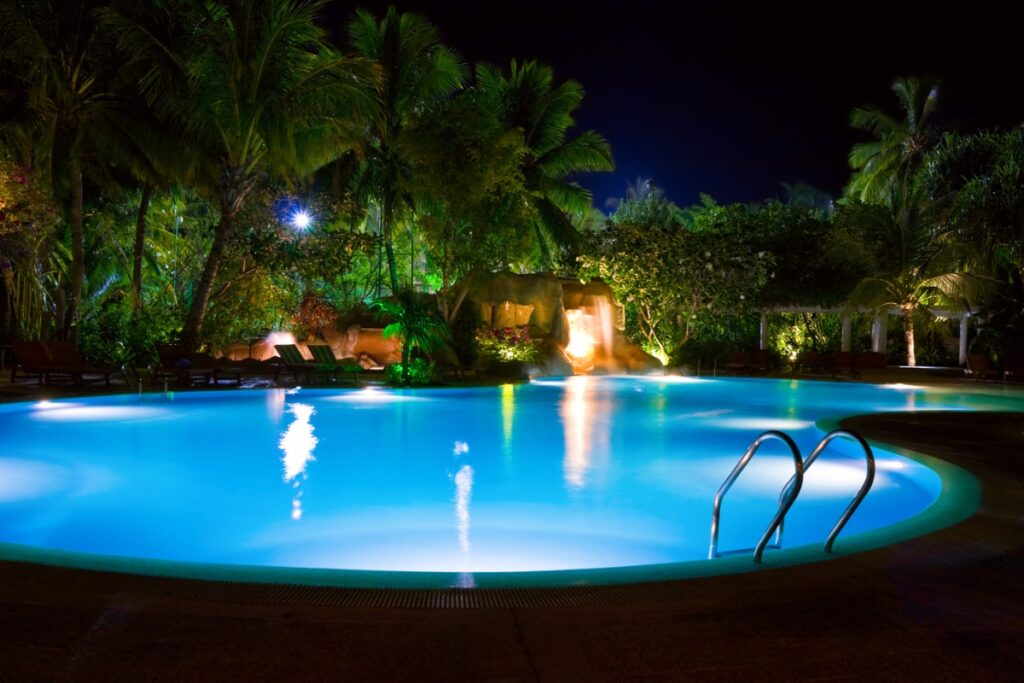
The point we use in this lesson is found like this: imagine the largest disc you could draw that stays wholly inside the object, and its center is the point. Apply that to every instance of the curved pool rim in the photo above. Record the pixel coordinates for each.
(958, 500)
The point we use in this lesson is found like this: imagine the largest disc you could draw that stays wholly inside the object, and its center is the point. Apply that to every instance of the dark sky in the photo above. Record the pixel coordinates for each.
(732, 100)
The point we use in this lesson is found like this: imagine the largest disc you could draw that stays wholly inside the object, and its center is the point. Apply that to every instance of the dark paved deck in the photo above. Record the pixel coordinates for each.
(945, 607)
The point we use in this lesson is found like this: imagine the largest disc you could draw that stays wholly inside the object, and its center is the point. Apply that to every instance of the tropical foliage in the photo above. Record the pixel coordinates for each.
(155, 158)
(675, 275)
(912, 258)
(898, 145)
(506, 345)
(415, 321)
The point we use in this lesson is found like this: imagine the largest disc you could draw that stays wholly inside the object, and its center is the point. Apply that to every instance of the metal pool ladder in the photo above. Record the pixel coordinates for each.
(790, 491)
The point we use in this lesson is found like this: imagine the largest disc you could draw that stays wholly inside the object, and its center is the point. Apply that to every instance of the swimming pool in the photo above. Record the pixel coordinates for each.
(582, 480)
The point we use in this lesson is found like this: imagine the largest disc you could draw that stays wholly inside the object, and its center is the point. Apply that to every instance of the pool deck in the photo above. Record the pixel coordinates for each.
(944, 607)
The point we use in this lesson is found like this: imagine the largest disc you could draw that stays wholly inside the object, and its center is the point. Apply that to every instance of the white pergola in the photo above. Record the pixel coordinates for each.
(879, 326)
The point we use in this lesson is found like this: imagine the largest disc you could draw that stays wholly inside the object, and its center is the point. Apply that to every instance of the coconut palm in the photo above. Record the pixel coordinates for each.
(898, 145)
(253, 88)
(418, 73)
(909, 253)
(58, 108)
(528, 98)
(415, 321)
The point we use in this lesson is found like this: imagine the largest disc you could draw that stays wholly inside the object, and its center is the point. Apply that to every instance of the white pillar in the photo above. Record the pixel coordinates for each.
(879, 332)
(964, 327)
(847, 333)
(764, 330)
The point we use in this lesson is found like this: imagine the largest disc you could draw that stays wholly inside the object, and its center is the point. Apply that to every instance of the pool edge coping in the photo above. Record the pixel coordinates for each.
(958, 500)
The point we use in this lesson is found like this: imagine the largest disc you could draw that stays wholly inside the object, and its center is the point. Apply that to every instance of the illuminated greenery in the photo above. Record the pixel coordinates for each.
(413, 320)
(675, 277)
(145, 196)
(506, 345)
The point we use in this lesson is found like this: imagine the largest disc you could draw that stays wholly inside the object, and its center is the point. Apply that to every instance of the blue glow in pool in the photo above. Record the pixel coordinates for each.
(553, 475)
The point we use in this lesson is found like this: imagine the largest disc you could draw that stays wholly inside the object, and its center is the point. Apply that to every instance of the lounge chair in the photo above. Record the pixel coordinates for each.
(739, 361)
(1013, 368)
(809, 361)
(324, 358)
(66, 360)
(31, 359)
(291, 360)
(185, 368)
(843, 361)
(979, 368)
(869, 360)
(762, 361)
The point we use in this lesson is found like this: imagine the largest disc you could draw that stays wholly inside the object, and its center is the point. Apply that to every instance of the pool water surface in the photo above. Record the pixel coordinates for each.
(572, 474)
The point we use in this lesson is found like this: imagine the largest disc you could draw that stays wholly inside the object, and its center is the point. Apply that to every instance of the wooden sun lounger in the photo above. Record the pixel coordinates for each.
(65, 359)
(31, 359)
(324, 358)
(979, 368)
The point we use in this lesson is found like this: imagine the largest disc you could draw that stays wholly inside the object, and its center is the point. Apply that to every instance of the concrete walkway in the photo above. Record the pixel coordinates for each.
(944, 607)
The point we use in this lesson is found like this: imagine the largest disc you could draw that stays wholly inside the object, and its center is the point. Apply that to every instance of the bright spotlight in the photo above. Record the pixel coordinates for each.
(301, 219)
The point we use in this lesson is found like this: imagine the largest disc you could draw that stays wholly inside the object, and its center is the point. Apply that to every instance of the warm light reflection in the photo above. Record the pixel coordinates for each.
(508, 413)
(463, 493)
(298, 443)
(275, 404)
(584, 418)
(899, 386)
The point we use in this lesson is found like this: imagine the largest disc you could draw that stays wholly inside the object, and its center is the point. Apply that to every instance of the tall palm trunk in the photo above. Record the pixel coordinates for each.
(77, 254)
(140, 239)
(234, 189)
(192, 333)
(908, 335)
(387, 216)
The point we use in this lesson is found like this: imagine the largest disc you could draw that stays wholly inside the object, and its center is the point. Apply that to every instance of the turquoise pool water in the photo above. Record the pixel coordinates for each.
(573, 474)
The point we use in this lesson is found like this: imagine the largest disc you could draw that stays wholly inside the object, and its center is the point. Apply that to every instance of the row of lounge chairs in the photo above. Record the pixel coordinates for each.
(53, 362)
(979, 368)
(810, 361)
(839, 362)
(324, 362)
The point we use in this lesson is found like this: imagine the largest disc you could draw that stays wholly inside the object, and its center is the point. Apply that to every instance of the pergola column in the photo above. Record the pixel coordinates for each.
(764, 331)
(879, 332)
(964, 328)
(847, 333)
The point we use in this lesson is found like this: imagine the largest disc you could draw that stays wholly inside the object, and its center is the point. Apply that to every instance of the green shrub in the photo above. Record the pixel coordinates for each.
(111, 333)
(421, 371)
(507, 344)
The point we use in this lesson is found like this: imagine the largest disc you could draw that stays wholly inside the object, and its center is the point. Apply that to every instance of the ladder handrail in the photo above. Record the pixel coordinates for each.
(786, 498)
(869, 478)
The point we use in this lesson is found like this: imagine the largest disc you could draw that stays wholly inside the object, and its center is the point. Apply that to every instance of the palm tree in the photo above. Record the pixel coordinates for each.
(528, 99)
(415, 321)
(909, 253)
(417, 74)
(898, 145)
(253, 89)
(58, 107)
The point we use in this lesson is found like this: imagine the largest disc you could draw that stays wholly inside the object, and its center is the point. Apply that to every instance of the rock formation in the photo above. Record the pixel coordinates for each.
(578, 326)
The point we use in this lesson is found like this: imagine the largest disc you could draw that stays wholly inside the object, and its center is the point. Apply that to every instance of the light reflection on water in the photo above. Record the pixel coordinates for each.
(298, 444)
(583, 472)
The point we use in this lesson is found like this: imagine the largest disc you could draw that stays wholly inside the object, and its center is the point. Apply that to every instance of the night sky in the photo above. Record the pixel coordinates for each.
(733, 101)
